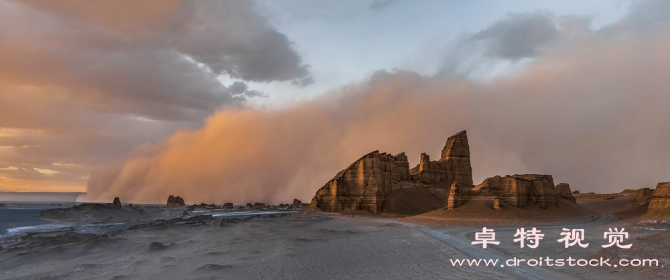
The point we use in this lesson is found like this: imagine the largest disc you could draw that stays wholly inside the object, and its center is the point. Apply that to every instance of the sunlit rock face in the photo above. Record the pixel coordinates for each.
(454, 163)
(660, 201)
(381, 182)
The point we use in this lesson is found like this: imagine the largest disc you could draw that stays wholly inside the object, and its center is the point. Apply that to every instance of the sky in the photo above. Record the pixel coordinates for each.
(266, 100)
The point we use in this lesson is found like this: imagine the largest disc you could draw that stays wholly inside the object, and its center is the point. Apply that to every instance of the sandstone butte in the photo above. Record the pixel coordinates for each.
(384, 183)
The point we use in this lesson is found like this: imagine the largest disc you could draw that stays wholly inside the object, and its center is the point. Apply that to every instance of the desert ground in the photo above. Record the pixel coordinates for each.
(314, 244)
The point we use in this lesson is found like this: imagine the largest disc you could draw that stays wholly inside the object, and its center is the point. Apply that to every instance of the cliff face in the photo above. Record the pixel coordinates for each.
(660, 202)
(364, 184)
(372, 180)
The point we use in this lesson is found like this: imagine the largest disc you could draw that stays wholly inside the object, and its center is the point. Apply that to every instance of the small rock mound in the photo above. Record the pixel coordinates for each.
(210, 267)
(496, 205)
(154, 246)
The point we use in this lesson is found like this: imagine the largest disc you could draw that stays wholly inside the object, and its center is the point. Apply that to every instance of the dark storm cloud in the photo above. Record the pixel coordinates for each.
(645, 15)
(516, 36)
(380, 4)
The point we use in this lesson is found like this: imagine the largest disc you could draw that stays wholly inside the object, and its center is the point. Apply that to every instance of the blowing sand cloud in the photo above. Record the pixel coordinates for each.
(82, 83)
(591, 111)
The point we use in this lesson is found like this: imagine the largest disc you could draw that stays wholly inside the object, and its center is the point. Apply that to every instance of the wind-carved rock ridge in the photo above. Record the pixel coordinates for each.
(384, 183)
(381, 182)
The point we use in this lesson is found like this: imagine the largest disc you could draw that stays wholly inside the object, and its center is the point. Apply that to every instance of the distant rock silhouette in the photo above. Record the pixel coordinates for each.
(175, 201)
(116, 203)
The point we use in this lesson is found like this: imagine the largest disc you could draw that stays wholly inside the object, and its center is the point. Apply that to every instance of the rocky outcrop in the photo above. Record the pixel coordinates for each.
(592, 195)
(456, 195)
(383, 183)
(364, 184)
(202, 206)
(643, 197)
(175, 201)
(116, 203)
(496, 205)
(228, 205)
(297, 202)
(454, 163)
(563, 191)
(520, 190)
(108, 212)
(660, 201)
(374, 181)
(259, 205)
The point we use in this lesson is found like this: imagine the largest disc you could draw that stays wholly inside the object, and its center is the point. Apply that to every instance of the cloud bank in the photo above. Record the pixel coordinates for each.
(590, 110)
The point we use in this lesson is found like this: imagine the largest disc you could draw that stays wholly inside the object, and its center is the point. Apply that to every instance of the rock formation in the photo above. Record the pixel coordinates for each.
(563, 191)
(660, 201)
(228, 205)
(521, 190)
(575, 192)
(117, 203)
(496, 204)
(175, 201)
(456, 197)
(249, 206)
(259, 205)
(381, 182)
(202, 205)
(454, 163)
(384, 183)
(643, 197)
(297, 202)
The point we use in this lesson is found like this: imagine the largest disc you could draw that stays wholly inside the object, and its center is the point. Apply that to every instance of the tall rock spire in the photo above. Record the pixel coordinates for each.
(457, 146)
